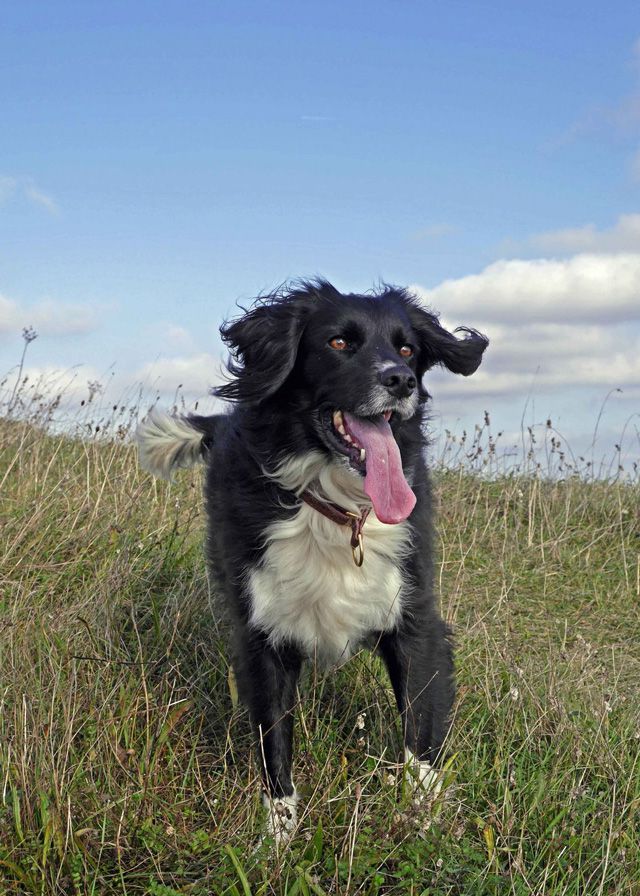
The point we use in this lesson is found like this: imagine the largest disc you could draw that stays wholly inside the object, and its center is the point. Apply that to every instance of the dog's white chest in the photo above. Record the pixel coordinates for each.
(308, 590)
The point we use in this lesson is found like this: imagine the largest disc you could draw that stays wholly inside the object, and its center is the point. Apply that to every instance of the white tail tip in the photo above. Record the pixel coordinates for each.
(167, 443)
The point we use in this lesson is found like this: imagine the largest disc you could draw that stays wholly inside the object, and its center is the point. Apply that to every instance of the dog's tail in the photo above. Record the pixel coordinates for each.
(167, 443)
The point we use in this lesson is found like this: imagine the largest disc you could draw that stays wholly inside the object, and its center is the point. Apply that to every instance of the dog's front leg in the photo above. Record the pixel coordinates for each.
(267, 678)
(419, 660)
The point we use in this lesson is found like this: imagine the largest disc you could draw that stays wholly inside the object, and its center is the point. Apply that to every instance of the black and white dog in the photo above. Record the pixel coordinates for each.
(319, 506)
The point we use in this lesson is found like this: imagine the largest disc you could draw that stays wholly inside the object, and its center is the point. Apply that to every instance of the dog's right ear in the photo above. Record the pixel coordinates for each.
(264, 344)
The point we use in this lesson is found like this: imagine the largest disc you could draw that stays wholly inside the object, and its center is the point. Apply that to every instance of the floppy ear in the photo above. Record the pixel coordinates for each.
(264, 344)
(439, 346)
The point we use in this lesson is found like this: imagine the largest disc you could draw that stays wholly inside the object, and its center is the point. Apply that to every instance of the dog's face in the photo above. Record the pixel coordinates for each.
(357, 362)
(349, 368)
(362, 357)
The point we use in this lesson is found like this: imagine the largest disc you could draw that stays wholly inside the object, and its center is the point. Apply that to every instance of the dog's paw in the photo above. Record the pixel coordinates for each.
(282, 816)
(423, 781)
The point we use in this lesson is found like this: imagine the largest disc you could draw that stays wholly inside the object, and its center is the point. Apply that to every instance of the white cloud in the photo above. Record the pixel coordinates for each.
(48, 317)
(587, 287)
(170, 338)
(41, 385)
(553, 325)
(532, 343)
(494, 378)
(195, 374)
(178, 337)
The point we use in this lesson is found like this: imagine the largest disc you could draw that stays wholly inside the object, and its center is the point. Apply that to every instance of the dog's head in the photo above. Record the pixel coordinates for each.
(349, 368)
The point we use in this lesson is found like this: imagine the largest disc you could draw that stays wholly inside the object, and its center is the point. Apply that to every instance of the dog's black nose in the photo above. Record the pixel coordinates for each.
(398, 380)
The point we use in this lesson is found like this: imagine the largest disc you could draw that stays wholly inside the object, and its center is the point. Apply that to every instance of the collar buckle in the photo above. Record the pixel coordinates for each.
(343, 518)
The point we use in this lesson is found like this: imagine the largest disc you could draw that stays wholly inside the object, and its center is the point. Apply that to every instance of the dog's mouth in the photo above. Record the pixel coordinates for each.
(348, 443)
(369, 445)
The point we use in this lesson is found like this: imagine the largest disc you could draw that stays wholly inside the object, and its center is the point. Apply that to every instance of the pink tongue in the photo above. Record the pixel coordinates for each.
(384, 482)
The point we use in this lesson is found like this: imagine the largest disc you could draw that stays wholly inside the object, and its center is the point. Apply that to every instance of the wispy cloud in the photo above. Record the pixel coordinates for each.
(7, 188)
(433, 232)
(27, 189)
(38, 197)
(623, 236)
(49, 317)
(620, 119)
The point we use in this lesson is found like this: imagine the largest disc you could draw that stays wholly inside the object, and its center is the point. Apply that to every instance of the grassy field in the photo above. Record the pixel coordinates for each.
(125, 767)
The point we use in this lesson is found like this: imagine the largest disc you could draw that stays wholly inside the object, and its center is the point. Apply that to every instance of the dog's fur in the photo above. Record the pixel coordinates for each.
(285, 570)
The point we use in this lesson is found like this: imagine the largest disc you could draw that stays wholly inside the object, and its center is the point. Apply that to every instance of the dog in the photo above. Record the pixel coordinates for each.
(318, 498)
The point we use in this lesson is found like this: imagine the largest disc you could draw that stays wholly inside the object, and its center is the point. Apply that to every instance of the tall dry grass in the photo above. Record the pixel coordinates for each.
(126, 768)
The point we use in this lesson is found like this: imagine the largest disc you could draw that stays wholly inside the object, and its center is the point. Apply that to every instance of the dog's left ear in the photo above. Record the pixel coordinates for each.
(439, 346)
(264, 345)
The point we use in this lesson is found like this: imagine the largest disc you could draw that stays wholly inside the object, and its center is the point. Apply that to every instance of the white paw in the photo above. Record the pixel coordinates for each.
(282, 816)
(422, 779)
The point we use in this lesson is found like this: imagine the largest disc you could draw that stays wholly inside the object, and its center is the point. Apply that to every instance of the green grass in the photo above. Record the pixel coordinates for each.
(125, 767)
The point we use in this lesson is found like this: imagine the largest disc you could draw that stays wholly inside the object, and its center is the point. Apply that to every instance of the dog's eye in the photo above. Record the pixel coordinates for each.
(406, 351)
(339, 343)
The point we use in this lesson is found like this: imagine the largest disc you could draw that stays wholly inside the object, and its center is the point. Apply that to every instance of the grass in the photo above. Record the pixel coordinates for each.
(126, 768)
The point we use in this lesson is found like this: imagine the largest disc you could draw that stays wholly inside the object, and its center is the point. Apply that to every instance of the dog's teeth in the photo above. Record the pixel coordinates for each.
(337, 418)
(342, 430)
(348, 438)
(363, 454)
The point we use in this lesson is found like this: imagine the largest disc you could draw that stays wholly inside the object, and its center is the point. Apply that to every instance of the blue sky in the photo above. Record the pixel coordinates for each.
(161, 161)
